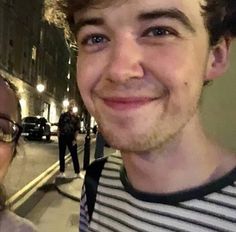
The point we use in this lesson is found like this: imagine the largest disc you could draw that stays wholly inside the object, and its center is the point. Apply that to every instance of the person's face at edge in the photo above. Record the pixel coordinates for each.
(141, 67)
(8, 108)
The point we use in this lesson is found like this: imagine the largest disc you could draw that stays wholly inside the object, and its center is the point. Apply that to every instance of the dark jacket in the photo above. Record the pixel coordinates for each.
(68, 124)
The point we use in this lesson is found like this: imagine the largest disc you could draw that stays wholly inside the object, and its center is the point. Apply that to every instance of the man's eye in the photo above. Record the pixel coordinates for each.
(158, 31)
(94, 40)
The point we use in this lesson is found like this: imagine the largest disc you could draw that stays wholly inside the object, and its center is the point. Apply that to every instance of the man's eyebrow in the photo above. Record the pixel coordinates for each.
(168, 13)
(95, 21)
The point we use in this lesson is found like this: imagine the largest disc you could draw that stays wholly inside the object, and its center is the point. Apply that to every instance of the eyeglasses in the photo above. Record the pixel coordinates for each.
(9, 130)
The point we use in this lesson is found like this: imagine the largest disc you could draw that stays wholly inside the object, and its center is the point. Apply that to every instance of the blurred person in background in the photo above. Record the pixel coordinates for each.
(68, 128)
(10, 130)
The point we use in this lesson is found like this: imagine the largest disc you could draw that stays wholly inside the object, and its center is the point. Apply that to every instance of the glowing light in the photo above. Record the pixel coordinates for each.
(75, 109)
(40, 88)
(65, 103)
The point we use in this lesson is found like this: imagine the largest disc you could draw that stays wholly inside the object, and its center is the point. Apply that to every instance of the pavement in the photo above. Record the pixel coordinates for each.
(58, 209)
(71, 186)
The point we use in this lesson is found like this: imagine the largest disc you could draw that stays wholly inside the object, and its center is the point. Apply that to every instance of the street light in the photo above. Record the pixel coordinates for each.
(75, 109)
(65, 103)
(40, 88)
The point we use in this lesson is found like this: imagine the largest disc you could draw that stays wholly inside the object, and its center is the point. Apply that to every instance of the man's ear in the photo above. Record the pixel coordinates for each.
(218, 59)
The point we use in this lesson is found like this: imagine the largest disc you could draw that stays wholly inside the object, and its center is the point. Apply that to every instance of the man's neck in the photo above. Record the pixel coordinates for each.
(188, 161)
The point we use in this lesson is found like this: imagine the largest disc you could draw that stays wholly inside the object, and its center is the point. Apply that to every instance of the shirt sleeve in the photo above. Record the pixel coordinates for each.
(84, 217)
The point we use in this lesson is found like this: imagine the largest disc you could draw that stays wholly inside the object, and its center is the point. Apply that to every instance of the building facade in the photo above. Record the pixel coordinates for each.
(32, 52)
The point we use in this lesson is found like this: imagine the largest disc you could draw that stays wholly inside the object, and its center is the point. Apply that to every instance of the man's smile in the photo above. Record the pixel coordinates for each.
(127, 103)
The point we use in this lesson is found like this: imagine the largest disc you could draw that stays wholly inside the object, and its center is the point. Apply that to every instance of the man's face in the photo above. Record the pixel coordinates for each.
(141, 67)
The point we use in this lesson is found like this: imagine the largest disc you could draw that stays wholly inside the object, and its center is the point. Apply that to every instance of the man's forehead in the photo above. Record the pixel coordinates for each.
(106, 7)
(188, 13)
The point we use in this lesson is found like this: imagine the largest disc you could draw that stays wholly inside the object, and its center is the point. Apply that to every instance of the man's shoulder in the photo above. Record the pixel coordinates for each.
(93, 174)
(113, 160)
(94, 170)
(96, 167)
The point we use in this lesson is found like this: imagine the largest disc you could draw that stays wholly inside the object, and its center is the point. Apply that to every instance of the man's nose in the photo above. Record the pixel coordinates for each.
(125, 61)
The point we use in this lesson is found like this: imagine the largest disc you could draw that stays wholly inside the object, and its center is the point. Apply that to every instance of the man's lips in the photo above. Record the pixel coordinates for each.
(127, 103)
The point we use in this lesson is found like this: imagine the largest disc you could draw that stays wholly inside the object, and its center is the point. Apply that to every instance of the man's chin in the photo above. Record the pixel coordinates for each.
(119, 142)
(127, 144)
(128, 139)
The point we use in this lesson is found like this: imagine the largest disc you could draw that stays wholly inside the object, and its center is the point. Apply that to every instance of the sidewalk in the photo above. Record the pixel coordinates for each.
(58, 210)
(71, 187)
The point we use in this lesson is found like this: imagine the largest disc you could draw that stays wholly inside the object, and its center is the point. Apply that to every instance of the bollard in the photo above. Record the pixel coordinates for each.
(87, 143)
(99, 148)
(86, 150)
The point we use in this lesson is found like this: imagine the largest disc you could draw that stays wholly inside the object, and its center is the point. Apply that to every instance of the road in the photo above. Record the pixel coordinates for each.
(33, 158)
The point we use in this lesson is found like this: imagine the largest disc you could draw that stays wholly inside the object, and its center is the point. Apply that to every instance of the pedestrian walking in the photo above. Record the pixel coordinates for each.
(141, 69)
(10, 130)
(68, 128)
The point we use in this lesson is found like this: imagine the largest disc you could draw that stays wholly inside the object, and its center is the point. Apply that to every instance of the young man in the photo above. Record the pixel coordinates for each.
(141, 67)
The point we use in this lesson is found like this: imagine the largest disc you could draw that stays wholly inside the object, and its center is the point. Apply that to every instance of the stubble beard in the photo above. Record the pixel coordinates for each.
(154, 137)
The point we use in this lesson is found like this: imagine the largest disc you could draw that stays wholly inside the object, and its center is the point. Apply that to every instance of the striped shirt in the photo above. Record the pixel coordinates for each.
(120, 208)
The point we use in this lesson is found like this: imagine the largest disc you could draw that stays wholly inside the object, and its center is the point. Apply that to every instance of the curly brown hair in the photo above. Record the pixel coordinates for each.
(219, 15)
(220, 19)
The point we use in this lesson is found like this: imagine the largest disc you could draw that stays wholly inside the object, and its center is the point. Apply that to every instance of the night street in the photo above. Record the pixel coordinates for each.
(34, 158)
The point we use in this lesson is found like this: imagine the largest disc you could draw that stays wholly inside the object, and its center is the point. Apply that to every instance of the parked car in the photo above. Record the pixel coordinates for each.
(35, 127)
(54, 128)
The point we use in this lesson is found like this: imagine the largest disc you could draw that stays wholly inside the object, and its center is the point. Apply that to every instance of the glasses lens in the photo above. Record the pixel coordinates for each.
(8, 131)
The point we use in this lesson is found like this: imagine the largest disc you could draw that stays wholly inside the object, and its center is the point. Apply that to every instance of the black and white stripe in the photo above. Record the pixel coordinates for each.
(117, 210)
